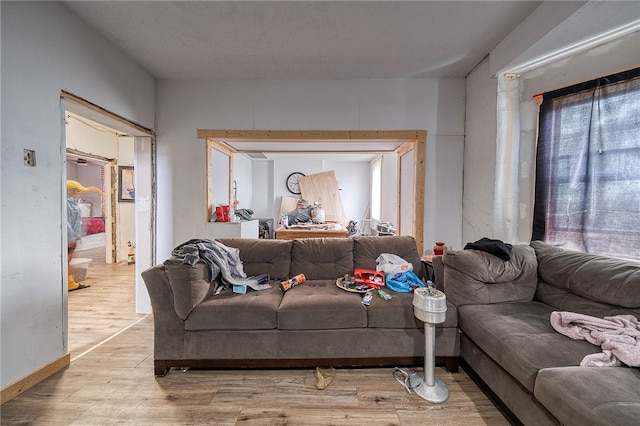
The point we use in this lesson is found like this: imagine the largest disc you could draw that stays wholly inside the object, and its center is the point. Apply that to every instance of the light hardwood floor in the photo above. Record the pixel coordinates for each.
(103, 309)
(113, 383)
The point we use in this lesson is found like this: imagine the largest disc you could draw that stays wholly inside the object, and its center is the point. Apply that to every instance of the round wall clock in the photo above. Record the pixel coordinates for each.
(292, 182)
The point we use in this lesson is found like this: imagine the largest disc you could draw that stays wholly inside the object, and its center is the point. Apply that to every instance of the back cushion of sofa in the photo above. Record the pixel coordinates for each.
(190, 284)
(597, 278)
(367, 249)
(477, 277)
(322, 258)
(263, 256)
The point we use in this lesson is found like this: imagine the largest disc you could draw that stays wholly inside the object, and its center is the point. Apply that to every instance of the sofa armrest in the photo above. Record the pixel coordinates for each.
(438, 272)
(157, 283)
(167, 323)
(477, 277)
(190, 284)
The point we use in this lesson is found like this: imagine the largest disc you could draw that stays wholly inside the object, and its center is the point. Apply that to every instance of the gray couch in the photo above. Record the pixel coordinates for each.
(504, 310)
(312, 324)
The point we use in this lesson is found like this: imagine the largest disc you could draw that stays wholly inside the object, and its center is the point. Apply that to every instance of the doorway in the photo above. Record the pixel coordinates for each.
(96, 147)
(96, 209)
(408, 145)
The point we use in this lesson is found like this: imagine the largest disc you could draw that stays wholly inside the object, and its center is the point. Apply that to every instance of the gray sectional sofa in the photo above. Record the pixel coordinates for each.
(310, 325)
(504, 310)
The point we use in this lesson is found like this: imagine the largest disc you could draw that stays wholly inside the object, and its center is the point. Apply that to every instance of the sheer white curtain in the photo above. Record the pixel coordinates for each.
(505, 202)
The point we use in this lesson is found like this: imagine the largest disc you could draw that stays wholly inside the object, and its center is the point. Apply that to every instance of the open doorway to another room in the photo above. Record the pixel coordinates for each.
(105, 301)
(96, 208)
(400, 189)
(100, 149)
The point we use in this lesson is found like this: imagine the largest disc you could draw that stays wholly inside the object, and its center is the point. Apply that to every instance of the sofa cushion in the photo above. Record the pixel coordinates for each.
(595, 277)
(590, 395)
(562, 300)
(255, 310)
(474, 276)
(320, 305)
(322, 258)
(519, 337)
(397, 312)
(272, 257)
(190, 284)
(367, 249)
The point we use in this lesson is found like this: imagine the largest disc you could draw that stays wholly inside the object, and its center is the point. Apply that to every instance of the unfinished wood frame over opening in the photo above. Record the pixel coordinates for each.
(411, 146)
(219, 190)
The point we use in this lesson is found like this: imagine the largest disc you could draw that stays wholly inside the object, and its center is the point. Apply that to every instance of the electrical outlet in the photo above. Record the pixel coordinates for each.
(29, 157)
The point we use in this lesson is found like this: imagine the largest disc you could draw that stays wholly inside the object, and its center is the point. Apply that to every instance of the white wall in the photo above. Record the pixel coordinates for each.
(436, 105)
(479, 154)
(481, 117)
(352, 177)
(221, 166)
(389, 193)
(243, 175)
(354, 185)
(46, 49)
(262, 200)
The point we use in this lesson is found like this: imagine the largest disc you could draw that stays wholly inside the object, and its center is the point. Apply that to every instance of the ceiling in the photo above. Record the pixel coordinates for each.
(284, 40)
(290, 40)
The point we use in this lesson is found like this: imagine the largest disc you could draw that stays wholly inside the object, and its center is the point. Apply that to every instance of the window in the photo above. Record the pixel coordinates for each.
(588, 167)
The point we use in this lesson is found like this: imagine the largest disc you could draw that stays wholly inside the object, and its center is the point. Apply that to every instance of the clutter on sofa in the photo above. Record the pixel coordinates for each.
(312, 324)
(509, 312)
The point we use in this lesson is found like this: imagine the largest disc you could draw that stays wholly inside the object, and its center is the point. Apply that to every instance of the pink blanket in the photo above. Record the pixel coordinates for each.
(618, 336)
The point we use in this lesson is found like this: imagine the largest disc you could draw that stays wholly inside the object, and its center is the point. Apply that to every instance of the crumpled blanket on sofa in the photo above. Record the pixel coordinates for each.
(221, 260)
(618, 336)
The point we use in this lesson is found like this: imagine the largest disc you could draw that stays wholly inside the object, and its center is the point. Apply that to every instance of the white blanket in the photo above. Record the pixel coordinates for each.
(618, 336)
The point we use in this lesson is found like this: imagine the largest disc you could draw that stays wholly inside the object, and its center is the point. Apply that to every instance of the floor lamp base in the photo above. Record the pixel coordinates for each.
(437, 393)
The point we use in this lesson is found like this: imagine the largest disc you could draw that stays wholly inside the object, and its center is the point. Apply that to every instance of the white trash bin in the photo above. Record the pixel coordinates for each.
(80, 267)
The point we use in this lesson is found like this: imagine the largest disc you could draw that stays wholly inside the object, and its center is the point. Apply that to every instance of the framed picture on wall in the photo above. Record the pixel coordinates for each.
(126, 187)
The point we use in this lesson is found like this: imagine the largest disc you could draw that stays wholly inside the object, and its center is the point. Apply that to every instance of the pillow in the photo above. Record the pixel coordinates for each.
(477, 277)
(272, 257)
(190, 284)
(322, 258)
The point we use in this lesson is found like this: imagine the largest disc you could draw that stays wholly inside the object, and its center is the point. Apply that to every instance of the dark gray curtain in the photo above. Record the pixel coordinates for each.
(587, 194)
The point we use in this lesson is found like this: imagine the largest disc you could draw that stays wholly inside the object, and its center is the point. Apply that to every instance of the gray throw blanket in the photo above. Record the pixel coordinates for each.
(618, 336)
(220, 259)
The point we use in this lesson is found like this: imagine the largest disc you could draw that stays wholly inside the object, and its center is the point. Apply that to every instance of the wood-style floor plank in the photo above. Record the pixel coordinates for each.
(104, 308)
(114, 382)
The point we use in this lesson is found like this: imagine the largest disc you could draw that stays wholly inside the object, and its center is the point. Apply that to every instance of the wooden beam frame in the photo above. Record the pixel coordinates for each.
(412, 140)
(228, 151)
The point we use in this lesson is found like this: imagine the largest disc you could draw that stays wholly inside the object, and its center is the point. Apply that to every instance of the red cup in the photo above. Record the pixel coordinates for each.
(225, 213)
(221, 216)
